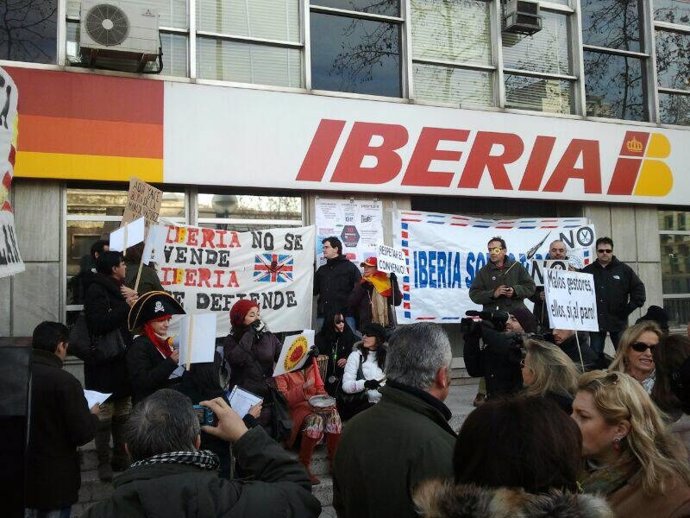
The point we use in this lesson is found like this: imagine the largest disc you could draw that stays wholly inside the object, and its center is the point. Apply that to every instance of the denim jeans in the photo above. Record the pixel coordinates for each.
(597, 341)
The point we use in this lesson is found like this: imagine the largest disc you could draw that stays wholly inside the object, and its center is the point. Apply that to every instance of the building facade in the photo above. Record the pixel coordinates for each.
(261, 107)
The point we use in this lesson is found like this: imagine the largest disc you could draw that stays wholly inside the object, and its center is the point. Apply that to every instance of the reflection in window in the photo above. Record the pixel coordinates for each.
(535, 93)
(246, 212)
(673, 59)
(672, 11)
(674, 108)
(384, 7)
(614, 24)
(614, 86)
(355, 55)
(451, 30)
(675, 264)
(28, 30)
(546, 51)
(458, 86)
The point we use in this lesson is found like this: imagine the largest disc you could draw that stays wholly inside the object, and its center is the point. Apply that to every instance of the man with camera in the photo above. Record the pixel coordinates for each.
(169, 476)
(493, 348)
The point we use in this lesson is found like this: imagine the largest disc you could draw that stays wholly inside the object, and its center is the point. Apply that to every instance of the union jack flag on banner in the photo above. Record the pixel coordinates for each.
(273, 268)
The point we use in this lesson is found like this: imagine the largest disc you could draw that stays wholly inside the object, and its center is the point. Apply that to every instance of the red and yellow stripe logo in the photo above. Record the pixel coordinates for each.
(641, 169)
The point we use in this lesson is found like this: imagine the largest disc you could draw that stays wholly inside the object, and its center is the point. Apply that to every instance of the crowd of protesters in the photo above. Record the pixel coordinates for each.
(561, 429)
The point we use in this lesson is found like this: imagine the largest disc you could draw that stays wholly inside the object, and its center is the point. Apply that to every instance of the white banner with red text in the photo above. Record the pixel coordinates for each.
(444, 252)
(209, 269)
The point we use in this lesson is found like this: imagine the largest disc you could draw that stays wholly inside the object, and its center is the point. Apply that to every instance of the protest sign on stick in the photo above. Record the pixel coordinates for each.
(143, 200)
(127, 236)
(571, 301)
(390, 260)
(294, 353)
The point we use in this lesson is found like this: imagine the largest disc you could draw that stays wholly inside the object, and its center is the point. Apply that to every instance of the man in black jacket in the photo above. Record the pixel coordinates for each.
(171, 477)
(59, 422)
(333, 283)
(619, 292)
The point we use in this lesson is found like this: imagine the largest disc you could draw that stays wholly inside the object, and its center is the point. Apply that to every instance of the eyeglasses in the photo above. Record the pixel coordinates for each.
(496, 249)
(641, 347)
(604, 250)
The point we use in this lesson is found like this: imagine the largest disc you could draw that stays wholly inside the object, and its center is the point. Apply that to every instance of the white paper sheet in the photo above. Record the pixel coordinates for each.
(127, 236)
(93, 397)
(242, 400)
(197, 338)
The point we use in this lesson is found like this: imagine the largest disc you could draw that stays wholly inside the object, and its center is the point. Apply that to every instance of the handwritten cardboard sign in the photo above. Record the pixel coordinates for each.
(143, 200)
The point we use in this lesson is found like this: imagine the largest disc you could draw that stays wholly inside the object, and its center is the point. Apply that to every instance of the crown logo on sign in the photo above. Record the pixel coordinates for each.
(634, 145)
(158, 308)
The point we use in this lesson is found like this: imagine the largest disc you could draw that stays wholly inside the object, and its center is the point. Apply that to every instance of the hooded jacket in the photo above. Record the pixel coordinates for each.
(437, 499)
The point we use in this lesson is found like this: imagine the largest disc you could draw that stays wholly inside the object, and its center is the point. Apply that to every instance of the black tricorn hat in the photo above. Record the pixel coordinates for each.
(152, 305)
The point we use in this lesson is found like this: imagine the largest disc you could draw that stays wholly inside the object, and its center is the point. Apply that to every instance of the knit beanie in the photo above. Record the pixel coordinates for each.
(239, 310)
(526, 319)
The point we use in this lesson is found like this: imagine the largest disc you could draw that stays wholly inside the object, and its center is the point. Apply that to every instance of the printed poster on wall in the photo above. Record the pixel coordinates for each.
(444, 252)
(209, 269)
(357, 223)
(10, 259)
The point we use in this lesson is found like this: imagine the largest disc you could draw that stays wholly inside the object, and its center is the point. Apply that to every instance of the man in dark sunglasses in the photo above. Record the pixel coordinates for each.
(619, 292)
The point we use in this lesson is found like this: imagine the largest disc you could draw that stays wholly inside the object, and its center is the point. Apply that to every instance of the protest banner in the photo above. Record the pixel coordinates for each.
(571, 300)
(293, 355)
(209, 269)
(390, 260)
(539, 269)
(357, 223)
(445, 252)
(10, 259)
(143, 200)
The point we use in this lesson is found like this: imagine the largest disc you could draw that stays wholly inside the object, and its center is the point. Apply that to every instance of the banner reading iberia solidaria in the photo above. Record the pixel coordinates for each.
(444, 252)
(210, 269)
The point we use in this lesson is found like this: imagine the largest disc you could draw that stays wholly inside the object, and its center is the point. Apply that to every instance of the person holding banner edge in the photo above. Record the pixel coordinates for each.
(557, 251)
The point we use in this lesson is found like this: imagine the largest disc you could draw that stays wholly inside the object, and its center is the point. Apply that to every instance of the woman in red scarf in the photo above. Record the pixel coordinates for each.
(372, 300)
(151, 359)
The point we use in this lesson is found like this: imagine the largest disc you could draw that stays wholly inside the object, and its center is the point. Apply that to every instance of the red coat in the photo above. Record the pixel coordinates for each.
(291, 385)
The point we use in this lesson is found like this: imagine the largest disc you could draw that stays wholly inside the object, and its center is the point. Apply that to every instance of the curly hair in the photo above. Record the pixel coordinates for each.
(648, 447)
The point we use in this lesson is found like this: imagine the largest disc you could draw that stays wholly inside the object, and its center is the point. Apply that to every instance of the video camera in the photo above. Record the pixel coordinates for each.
(497, 319)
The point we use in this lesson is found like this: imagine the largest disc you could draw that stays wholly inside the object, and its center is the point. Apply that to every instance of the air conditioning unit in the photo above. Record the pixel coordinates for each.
(521, 17)
(118, 29)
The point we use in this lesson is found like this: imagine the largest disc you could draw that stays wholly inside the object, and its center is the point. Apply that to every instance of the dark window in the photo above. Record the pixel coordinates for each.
(614, 24)
(358, 55)
(672, 11)
(673, 59)
(28, 30)
(384, 7)
(615, 86)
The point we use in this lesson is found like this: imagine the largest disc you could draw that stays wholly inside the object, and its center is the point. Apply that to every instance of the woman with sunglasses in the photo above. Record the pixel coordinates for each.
(363, 373)
(635, 354)
(335, 341)
(630, 456)
(548, 372)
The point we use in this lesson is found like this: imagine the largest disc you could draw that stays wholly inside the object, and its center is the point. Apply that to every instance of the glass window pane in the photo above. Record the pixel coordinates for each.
(28, 31)
(673, 59)
(612, 23)
(678, 312)
(544, 95)
(672, 11)
(451, 30)
(355, 55)
(248, 207)
(545, 51)
(614, 86)
(249, 63)
(675, 263)
(175, 55)
(385, 7)
(674, 108)
(458, 86)
(673, 220)
(103, 202)
(256, 19)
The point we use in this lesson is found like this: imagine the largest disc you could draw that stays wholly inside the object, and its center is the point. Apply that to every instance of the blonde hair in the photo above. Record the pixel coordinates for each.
(553, 370)
(657, 455)
(629, 337)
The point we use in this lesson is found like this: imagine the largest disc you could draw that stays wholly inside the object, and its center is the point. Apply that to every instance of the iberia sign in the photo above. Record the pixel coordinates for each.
(300, 141)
